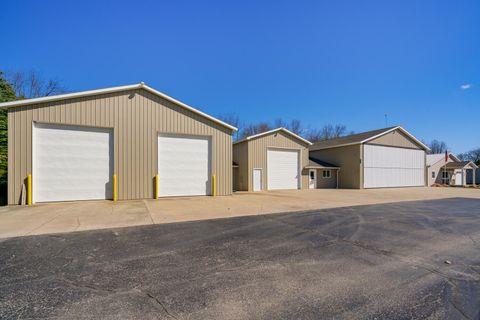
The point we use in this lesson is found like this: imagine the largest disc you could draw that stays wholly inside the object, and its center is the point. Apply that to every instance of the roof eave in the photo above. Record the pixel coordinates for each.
(258, 135)
(377, 136)
(426, 148)
(186, 106)
(24, 102)
(141, 85)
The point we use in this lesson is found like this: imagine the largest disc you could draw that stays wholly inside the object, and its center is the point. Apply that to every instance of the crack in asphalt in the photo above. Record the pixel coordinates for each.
(84, 287)
(454, 285)
(459, 309)
(151, 296)
(414, 261)
(96, 289)
(308, 236)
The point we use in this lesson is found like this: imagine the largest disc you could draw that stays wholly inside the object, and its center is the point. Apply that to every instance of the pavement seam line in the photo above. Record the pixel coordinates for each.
(46, 222)
(148, 210)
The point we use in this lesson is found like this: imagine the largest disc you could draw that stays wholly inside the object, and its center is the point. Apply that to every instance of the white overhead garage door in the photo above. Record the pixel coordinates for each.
(71, 163)
(184, 166)
(393, 167)
(283, 171)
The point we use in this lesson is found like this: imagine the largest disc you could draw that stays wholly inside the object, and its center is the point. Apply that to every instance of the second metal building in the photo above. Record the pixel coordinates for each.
(271, 160)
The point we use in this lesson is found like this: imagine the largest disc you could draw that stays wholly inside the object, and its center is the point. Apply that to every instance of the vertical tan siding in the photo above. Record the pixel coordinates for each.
(348, 158)
(257, 155)
(136, 116)
(240, 156)
(396, 138)
(326, 183)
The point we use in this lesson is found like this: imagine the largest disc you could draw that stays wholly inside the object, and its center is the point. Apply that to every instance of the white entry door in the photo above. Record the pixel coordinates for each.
(393, 167)
(283, 170)
(184, 166)
(257, 179)
(312, 180)
(458, 178)
(71, 163)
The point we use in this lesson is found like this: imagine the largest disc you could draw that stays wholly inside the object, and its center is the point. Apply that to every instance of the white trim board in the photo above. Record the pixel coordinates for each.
(140, 85)
(426, 148)
(273, 131)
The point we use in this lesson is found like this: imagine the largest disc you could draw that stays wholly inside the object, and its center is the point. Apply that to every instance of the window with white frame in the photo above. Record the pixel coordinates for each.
(445, 176)
(433, 174)
(326, 174)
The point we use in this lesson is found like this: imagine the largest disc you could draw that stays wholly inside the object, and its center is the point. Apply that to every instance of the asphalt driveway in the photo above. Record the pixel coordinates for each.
(366, 262)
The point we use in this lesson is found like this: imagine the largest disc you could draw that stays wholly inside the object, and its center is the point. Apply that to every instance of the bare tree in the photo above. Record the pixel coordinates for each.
(327, 132)
(279, 123)
(33, 85)
(472, 155)
(295, 125)
(231, 119)
(475, 156)
(437, 146)
(253, 129)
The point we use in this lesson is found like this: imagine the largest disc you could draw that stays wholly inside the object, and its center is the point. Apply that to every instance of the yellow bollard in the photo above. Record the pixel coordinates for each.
(29, 189)
(114, 187)
(214, 186)
(156, 187)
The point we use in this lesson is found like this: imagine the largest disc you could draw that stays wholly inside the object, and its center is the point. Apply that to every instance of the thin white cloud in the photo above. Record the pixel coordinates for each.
(465, 86)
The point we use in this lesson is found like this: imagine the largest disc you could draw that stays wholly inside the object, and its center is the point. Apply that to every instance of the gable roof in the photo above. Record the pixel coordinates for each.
(461, 165)
(140, 85)
(273, 131)
(363, 137)
(436, 157)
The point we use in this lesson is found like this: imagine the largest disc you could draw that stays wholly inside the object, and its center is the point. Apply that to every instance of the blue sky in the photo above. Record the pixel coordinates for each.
(321, 62)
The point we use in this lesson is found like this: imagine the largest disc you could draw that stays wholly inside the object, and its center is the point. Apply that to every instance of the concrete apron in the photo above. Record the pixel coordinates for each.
(89, 215)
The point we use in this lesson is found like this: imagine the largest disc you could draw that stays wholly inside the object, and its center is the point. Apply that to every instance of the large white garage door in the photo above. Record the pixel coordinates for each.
(71, 163)
(184, 166)
(283, 169)
(393, 167)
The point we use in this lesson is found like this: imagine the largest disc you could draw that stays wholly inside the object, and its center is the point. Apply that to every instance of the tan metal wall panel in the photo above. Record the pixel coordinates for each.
(395, 138)
(326, 183)
(348, 158)
(257, 155)
(240, 156)
(137, 117)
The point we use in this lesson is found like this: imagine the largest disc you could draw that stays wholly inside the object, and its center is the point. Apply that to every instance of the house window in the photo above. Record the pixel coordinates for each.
(433, 174)
(445, 176)
(326, 174)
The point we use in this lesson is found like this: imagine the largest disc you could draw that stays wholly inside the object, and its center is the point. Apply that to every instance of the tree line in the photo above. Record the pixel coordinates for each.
(325, 132)
(25, 85)
(16, 86)
(437, 146)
